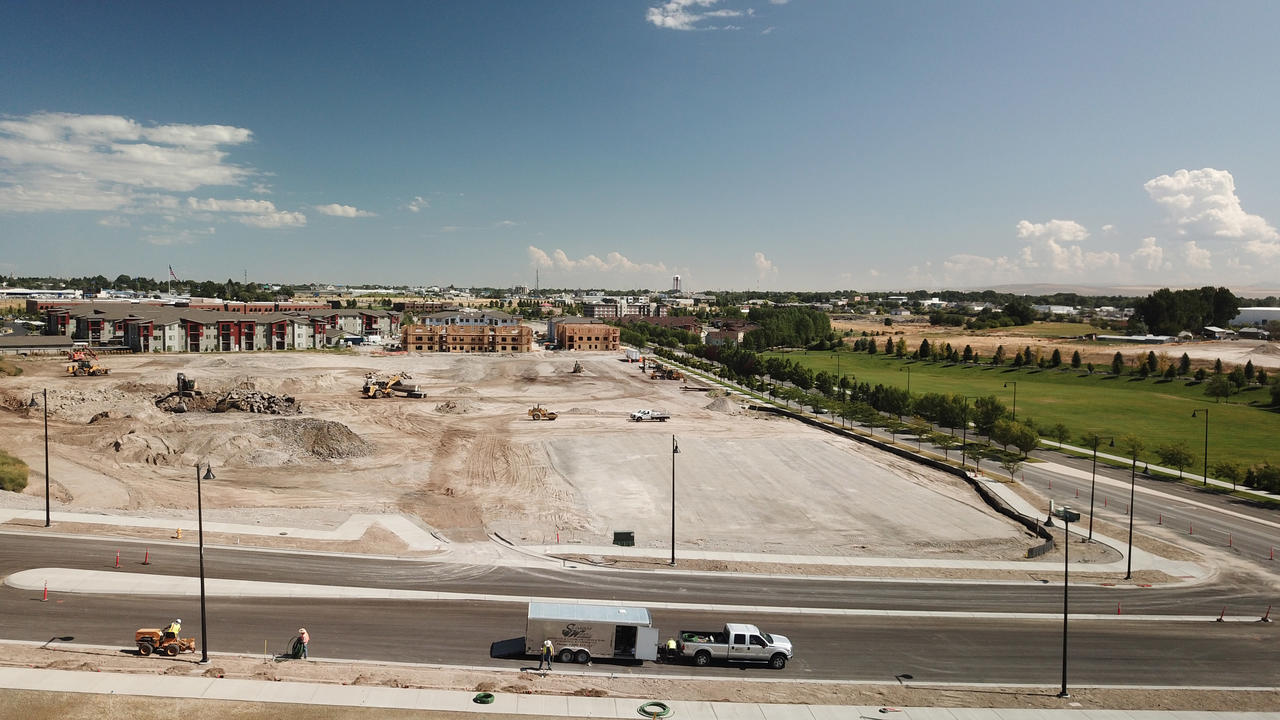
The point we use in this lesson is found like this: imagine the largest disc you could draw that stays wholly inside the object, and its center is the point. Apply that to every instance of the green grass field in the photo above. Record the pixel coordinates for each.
(1158, 412)
(13, 473)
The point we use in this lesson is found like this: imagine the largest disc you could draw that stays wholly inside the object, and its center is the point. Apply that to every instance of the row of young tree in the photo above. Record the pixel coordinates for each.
(879, 405)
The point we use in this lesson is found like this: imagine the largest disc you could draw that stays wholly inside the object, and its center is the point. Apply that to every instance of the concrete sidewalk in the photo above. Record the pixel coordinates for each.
(559, 706)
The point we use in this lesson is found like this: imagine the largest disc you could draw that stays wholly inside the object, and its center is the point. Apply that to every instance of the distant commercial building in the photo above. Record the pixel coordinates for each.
(1256, 315)
(675, 283)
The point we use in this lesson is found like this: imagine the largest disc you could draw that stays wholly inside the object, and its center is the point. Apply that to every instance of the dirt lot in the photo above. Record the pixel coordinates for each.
(467, 461)
(1203, 353)
(39, 706)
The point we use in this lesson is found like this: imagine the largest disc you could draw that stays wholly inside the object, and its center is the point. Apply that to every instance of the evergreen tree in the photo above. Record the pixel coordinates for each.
(924, 350)
(1075, 359)
(888, 346)
(1056, 359)
(1117, 363)
(998, 358)
(1184, 365)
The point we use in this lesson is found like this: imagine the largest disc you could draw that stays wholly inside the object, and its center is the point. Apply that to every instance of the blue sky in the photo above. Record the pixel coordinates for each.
(772, 145)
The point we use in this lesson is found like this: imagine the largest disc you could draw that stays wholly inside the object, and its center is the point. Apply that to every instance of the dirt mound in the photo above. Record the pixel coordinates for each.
(243, 399)
(723, 405)
(249, 400)
(324, 439)
(463, 391)
(582, 411)
(449, 407)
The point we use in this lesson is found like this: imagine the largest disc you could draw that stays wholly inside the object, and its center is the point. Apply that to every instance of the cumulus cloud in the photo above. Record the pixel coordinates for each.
(764, 266)
(1053, 244)
(344, 211)
(53, 162)
(256, 213)
(613, 262)
(1196, 257)
(1108, 228)
(417, 204)
(1203, 203)
(1148, 256)
(689, 14)
(114, 221)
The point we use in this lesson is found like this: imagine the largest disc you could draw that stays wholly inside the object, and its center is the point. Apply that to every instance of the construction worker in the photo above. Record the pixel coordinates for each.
(304, 639)
(173, 629)
(547, 653)
(671, 648)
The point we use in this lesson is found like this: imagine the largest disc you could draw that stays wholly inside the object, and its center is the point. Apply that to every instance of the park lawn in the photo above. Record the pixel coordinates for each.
(1157, 412)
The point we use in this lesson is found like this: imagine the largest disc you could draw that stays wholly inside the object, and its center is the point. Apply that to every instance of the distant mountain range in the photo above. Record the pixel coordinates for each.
(1128, 290)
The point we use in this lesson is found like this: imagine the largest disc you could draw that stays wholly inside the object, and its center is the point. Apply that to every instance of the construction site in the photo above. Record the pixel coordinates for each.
(448, 440)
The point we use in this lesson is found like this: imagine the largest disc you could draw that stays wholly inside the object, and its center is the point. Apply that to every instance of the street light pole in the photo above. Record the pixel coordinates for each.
(1067, 515)
(1205, 477)
(675, 449)
(1093, 479)
(908, 369)
(1014, 383)
(1133, 480)
(964, 435)
(204, 628)
(32, 404)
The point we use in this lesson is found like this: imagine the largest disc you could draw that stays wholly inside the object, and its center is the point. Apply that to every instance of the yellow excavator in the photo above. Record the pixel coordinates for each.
(537, 412)
(385, 388)
(85, 362)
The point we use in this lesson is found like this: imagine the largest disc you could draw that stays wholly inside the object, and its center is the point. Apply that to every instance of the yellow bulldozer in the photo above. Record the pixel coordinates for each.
(85, 362)
(537, 412)
(375, 387)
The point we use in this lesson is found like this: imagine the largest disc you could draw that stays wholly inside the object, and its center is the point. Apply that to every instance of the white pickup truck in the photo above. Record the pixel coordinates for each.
(736, 643)
(643, 415)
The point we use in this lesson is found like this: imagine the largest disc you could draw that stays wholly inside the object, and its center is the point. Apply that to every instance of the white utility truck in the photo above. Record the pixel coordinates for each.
(736, 643)
(643, 415)
(580, 632)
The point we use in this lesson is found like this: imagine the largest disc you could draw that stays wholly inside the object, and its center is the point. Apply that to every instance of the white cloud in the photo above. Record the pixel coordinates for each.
(417, 204)
(505, 224)
(687, 14)
(1195, 257)
(1203, 203)
(1108, 228)
(278, 219)
(1149, 256)
(768, 31)
(345, 211)
(613, 262)
(1053, 244)
(764, 266)
(53, 162)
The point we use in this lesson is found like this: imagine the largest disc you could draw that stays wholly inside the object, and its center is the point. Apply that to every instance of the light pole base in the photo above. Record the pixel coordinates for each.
(1064, 694)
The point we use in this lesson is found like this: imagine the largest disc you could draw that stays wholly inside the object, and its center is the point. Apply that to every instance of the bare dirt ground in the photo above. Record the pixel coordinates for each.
(1263, 354)
(468, 462)
(52, 705)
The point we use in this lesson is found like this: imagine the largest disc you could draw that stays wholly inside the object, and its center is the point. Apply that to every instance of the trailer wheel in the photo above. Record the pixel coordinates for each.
(582, 657)
(702, 658)
(566, 656)
(171, 649)
(778, 661)
(145, 649)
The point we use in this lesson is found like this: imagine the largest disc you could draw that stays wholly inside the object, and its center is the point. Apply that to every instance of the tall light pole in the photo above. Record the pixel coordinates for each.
(908, 369)
(45, 404)
(675, 450)
(1014, 383)
(964, 434)
(1205, 477)
(204, 627)
(1095, 441)
(1067, 515)
(1135, 446)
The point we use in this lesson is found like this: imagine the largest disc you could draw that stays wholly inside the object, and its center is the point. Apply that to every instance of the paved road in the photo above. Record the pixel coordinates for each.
(873, 649)
(21, 552)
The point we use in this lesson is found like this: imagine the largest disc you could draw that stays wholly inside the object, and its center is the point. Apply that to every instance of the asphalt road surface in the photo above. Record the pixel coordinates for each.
(22, 552)
(870, 649)
(984, 650)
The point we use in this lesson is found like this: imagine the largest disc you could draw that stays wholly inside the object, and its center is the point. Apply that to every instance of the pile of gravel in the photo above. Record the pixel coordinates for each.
(324, 439)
